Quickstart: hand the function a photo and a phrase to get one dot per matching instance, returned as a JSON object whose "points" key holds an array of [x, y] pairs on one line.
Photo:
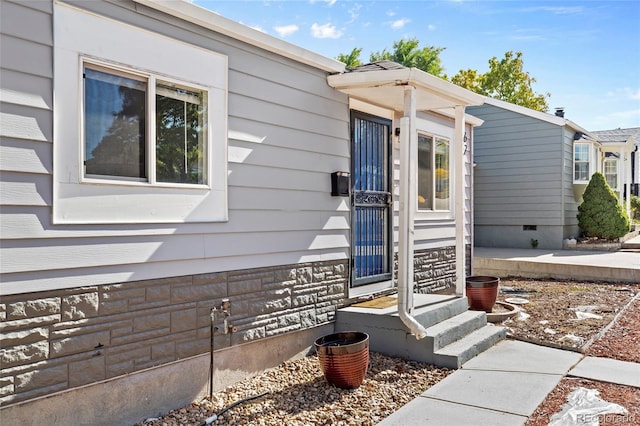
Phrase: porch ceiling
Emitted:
{"points": [[385, 88]]}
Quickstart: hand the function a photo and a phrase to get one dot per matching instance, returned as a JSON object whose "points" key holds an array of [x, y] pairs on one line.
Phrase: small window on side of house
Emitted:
{"points": [[434, 167], [581, 163], [611, 172]]}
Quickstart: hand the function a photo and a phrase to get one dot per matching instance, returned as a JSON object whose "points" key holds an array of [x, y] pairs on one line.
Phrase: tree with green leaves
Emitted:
{"points": [[505, 80], [408, 53], [405, 52], [601, 215], [351, 59]]}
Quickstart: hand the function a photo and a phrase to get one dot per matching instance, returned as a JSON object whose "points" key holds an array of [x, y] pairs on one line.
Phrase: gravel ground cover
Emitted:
{"points": [[563, 314], [621, 341], [298, 394]]}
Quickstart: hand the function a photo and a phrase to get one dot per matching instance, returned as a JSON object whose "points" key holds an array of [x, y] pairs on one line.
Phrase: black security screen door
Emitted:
{"points": [[371, 199]]}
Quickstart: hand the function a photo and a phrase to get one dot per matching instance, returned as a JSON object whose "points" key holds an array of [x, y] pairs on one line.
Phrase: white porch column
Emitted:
{"points": [[407, 198], [626, 163], [459, 180]]}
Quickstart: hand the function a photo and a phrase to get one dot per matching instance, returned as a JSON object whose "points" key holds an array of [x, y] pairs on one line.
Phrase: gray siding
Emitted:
{"points": [[520, 179], [287, 132], [519, 169]]}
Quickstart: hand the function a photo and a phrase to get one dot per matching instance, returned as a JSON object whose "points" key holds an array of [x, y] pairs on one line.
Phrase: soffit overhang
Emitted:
{"points": [[386, 88]]}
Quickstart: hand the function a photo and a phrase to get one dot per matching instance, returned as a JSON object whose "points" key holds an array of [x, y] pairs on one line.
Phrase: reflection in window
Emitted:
{"points": [[180, 135], [581, 162], [433, 173], [116, 128], [115, 109]]}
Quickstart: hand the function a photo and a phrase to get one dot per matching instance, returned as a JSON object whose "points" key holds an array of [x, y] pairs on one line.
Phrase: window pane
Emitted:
{"points": [[442, 174], [611, 173], [581, 152], [425, 172], [181, 134], [114, 117], [581, 171]]}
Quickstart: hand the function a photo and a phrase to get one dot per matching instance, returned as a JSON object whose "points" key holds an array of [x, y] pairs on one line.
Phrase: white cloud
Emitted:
{"points": [[391, 13], [556, 10], [400, 23], [328, 2], [286, 30], [325, 31], [626, 92], [431, 27], [354, 12]]}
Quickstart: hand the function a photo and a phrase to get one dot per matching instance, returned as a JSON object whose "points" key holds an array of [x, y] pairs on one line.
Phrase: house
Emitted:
{"points": [[530, 171], [621, 160], [174, 181]]}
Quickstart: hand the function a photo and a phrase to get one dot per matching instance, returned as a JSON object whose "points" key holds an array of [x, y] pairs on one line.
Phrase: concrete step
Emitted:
{"points": [[455, 328], [457, 353]]}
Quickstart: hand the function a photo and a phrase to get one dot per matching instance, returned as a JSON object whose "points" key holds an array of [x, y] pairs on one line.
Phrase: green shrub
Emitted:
{"points": [[601, 214], [635, 206]]}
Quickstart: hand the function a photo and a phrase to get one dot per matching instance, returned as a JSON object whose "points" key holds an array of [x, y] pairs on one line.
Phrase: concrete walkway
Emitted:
{"points": [[614, 266], [505, 384]]}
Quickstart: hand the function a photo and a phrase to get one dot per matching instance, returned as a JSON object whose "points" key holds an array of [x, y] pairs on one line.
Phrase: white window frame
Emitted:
{"points": [[436, 130], [615, 162], [589, 162], [81, 37], [150, 160]]}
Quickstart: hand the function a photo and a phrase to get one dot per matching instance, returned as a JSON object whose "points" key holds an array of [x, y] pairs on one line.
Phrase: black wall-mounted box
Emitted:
{"points": [[340, 184]]}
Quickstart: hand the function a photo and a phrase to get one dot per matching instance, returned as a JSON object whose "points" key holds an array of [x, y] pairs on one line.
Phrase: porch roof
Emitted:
{"points": [[618, 139], [382, 83]]}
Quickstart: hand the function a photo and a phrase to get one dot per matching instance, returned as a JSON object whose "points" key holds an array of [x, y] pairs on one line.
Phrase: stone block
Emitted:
{"points": [[184, 319], [304, 275], [23, 354], [285, 321], [191, 348], [19, 324], [165, 351], [79, 343], [122, 293], [79, 306], [152, 322], [42, 377], [195, 293], [3, 311], [286, 275], [305, 299], [6, 386], [112, 307], [158, 293], [247, 286], [33, 308], [308, 318], [87, 371], [23, 337]]}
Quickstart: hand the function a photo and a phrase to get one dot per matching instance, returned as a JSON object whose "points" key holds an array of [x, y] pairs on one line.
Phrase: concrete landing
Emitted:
{"points": [[618, 266], [454, 334]]}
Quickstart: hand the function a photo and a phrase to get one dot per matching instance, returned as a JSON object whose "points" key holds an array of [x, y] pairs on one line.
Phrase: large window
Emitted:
{"points": [[433, 173], [140, 132], [581, 162], [122, 111]]}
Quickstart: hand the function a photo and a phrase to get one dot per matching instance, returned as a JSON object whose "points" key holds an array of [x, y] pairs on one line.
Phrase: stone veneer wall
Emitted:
{"points": [[435, 269], [57, 340]]}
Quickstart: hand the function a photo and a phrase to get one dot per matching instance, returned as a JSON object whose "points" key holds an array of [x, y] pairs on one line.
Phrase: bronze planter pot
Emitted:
{"points": [[482, 292], [344, 358]]}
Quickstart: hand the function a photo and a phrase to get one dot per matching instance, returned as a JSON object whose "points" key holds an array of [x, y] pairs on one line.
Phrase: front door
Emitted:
{"points": [[371, 200]]}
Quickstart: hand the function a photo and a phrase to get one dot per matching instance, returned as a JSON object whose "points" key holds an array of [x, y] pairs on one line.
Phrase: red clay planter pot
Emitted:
{"points": [[482, 292], [344, 358]]}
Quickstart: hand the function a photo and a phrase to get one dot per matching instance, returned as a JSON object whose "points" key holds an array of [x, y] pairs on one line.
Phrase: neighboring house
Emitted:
{"points": [[621, 161], [163, 166], [530, 171]]}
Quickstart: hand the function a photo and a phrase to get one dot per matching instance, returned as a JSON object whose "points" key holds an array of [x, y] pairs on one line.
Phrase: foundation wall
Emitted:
{"points": [[58, 340]]}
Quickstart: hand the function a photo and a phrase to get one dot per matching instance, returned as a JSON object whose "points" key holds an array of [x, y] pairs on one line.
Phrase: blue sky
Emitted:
{"points": [[585, 53]]}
